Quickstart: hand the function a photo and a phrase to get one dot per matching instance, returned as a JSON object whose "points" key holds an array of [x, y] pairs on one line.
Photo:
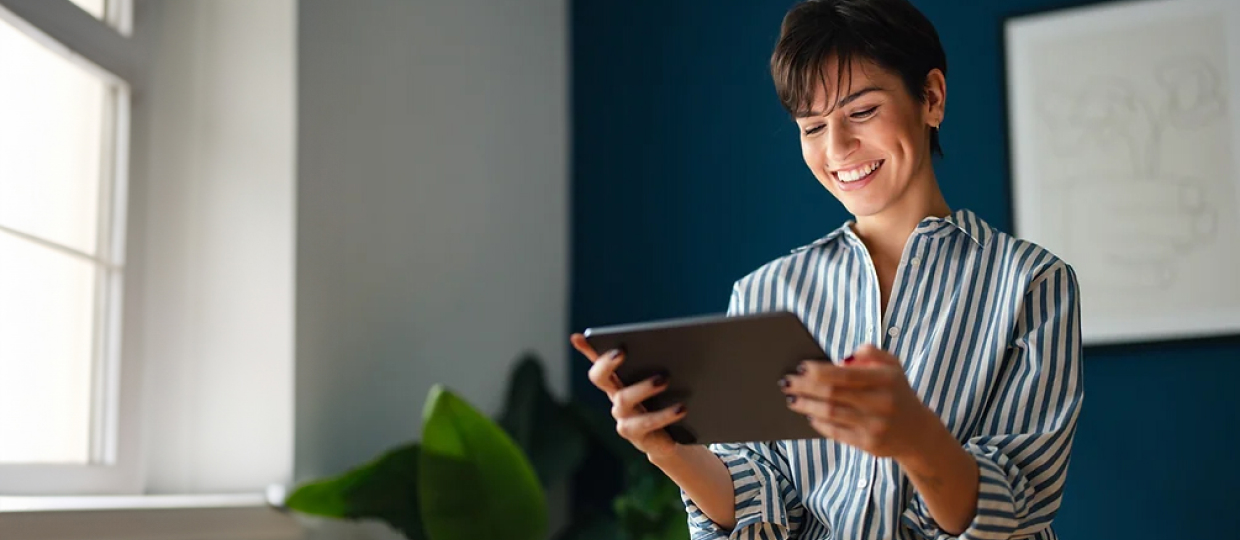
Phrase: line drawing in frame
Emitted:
{"points": [[1109, 110], [1123, 142]]}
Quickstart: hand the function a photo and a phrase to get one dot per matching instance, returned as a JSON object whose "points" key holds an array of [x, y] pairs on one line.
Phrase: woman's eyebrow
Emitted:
{"points": [[848, 99], [853, 96]]}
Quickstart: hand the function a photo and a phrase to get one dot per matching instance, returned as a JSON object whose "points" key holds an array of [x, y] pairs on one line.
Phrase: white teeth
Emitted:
{"points": [[857, 174]]}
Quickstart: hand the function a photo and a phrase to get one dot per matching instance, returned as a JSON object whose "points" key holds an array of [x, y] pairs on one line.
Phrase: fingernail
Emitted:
{"points": [[791, 399], [801, 368], [615, 353], [849, 360], [783, 382], [680, 408], [659, 380]]}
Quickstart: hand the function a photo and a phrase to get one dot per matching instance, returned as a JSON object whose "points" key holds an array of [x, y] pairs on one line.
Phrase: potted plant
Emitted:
{"points": [[470, 477]]}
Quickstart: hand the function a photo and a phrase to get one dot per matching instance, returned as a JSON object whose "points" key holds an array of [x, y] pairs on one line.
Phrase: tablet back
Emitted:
{"points": [[724, 369]]}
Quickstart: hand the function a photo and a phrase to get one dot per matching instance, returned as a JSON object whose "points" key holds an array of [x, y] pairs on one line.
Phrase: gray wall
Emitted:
{"points": [[431, 212]]}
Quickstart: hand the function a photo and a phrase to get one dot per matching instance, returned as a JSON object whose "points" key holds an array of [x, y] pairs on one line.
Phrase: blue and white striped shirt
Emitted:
{"points": [[988, 330]]}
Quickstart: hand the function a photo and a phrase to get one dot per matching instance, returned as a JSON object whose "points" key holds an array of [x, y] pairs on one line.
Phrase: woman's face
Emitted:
{"points": [[875, 143]]}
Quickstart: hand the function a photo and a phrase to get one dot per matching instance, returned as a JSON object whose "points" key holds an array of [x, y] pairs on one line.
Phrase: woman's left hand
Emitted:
{"points": [[867, 403]]}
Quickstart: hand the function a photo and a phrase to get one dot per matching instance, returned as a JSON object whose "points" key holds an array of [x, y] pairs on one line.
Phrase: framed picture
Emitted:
{"points": [[1124, 141]]}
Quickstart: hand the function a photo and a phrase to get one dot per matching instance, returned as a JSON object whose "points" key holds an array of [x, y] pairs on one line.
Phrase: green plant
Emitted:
{"points": [[472, 478]]}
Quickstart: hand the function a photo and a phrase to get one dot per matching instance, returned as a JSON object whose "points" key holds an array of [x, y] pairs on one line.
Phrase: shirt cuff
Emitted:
{"points": [[759, 503], [999, 482]]}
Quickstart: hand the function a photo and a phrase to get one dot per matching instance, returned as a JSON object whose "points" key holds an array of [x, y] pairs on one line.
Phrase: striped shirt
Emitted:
{"points": [[988, 330]]}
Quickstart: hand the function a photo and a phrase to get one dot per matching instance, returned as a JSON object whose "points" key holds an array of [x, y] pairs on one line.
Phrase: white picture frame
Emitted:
{"points": [[1124, 149]]}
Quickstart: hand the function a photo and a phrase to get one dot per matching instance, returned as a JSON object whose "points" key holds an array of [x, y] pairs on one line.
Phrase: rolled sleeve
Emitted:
{"points": [[766, 503], [1022, 467]]}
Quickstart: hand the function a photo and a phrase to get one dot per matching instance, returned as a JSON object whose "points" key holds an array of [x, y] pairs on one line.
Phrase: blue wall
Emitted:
{"points": [[687, 175]]}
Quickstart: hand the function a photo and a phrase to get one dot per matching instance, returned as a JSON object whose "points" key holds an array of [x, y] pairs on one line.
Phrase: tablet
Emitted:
{"points": [[724, 369]]}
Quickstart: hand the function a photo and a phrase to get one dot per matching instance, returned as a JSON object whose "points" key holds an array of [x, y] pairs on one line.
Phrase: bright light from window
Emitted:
{"points": [[52, 144], [98, 8], [46, 333], [51, 141]]}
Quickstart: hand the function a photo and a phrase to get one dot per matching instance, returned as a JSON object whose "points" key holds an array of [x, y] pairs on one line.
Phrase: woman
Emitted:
{"points": [[953, 410]]}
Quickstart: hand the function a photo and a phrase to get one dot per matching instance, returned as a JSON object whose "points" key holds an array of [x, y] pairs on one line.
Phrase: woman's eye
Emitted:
{"points": [[813, 129], [859, 115]]}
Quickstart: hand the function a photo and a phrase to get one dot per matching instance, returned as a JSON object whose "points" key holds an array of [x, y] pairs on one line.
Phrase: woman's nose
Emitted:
{"points": [[841, 142]]}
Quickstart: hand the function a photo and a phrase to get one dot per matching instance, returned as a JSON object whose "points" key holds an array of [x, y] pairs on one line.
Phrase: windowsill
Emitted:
{"points": [[147, 517], [129, 502]]}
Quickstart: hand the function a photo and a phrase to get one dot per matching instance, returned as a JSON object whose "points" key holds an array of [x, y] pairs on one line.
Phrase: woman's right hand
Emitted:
{"points": [[641, 428], [697, 470]]}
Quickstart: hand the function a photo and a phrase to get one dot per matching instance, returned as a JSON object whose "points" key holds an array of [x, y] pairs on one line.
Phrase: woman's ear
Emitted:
{"points": [[936, 97]]}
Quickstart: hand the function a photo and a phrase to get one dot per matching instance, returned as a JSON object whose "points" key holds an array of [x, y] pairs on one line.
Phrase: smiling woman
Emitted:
{"points": [[879, 129], [879, 115], [950, 399]]}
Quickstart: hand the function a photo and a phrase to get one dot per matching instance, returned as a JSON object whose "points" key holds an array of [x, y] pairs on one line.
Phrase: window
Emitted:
{"points": [[116, 13], [61, 267], [98, 8]]}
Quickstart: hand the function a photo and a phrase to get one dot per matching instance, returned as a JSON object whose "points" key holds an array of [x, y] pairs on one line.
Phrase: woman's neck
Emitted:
{"points": [[886, 232]]}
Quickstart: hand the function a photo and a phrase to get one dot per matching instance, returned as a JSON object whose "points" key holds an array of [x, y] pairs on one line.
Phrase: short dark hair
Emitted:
{"points": [[891, 33]]}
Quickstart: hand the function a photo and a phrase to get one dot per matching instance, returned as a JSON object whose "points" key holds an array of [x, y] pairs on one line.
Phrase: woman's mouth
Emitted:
{"points": [[855, 178]]}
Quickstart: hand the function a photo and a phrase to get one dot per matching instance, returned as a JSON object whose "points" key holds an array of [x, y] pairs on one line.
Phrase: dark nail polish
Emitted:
{"points": [[801, 368], [659, 380], [849, 360], [680, 408], [791, 399], [783, 383]]}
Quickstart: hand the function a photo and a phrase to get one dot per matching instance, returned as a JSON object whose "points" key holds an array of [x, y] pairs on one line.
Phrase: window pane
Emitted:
{"points": [[51, 143], [93, 7], [47, 301]]}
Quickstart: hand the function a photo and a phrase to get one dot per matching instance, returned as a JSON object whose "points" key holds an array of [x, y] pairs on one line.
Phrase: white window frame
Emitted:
{"points": [[114, 466], [110, 500]]}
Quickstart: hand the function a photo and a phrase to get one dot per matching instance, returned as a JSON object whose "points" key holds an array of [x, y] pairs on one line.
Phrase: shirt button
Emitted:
{"points": [[915, 261], [893, 331], [862, 483]]}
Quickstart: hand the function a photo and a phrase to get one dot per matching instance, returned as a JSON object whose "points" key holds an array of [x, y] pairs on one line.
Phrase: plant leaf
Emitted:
{"points": [[323, 497], [475, 482], [591, 525], [385, 488], [521, 405], [391, 493], [650, 508], [552, 438]]}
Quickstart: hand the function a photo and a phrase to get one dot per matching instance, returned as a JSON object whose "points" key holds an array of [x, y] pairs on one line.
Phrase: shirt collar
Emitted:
{"points": [[845, 228], [962, 220]]}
